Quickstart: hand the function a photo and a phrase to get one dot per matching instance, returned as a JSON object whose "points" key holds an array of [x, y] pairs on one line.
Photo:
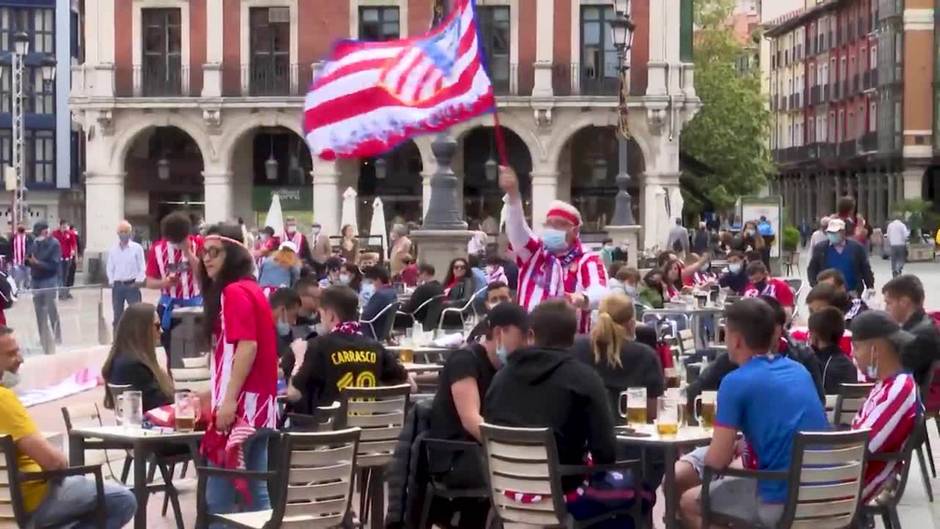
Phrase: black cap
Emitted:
{"points": [[39, 227], [873, 324], [508, 314]]}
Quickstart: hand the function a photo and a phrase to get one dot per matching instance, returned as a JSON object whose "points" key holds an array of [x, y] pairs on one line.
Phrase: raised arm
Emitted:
{"points": [[520, 235]]}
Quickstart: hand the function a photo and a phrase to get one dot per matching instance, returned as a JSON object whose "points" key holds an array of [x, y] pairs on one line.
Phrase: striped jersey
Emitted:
{"points": [[164, 259], [541, 276], [890, 412], [20, 243]]}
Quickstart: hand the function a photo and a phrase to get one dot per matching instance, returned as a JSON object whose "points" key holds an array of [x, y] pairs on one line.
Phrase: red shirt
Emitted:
{"points": [[68, 240], [163, 260], [777, 288], [246, 316]]}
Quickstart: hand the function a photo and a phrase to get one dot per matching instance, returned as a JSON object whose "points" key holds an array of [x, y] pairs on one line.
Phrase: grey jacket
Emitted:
{"points": [[48, 254]]}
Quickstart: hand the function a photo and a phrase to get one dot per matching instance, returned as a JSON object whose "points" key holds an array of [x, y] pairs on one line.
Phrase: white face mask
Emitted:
{"points": [[10, 379], [872, 370]]}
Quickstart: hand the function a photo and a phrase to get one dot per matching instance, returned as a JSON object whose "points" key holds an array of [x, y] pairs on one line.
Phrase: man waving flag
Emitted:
{"points": [[372, 96]]}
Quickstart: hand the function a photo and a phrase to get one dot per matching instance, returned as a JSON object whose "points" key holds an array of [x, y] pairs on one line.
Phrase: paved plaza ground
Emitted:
{"points": [[915, 513]]}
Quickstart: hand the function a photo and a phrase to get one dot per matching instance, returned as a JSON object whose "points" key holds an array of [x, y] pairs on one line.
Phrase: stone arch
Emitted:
{"points": [[482, 197], [238, 128], [508, 121], [563, 134], [128, 135]]}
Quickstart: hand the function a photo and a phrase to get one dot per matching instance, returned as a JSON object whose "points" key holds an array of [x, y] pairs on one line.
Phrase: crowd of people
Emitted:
{"points": [[558, 343]]}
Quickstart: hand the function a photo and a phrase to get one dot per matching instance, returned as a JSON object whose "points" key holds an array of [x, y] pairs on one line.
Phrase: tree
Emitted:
{"points": [[729, 135]]}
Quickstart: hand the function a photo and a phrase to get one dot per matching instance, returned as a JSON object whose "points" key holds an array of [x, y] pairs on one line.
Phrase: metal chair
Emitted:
{"points": [[380, 413], [849, 400], [824, 482], [382, 333], [12, 507], [194, 375], [90, 415], [525, 460], [791, 261], [886, 503], [324, 419], [436, 489], [461, 311], [424, 305], [313, 480]]}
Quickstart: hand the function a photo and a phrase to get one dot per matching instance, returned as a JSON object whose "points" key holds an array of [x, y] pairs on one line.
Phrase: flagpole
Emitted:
{"points": [[500, 139]]}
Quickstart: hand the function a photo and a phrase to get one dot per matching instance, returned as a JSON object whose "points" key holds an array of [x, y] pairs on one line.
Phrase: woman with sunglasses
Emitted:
{"points": [[458, 287], [241, 328], [133, 358]]}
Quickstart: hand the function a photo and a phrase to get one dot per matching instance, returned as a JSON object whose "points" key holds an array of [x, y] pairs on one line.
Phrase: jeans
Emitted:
{"points": [[898, 259], [44, 301], [66, 277], [73, 500], [121, 294], [21, 276], [221, 494]]}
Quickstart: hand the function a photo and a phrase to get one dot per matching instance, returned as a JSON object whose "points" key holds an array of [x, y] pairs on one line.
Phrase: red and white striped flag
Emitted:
{"points": [[372, 96]]}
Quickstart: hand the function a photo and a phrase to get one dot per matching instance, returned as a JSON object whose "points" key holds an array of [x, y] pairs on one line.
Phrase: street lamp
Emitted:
{"points": [[48, 69], [621, 30], [491, 169], [381, 168], [20, 49], [21, 43], [270, 165], [163, 169]]}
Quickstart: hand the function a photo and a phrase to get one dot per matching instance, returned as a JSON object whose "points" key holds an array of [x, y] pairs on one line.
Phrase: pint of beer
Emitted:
{"points": [[633, 405], [185, 411], [667, 415], [708, 403], [672, 377]]}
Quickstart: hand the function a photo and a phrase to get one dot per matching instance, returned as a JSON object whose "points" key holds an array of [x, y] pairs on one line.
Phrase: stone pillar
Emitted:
{"points": [[219, 191], [425, 191], [656, 189], [544, 50], [870, 195], [326, 195], [104, 208], [912, 183], [544, 191], [892, 193], [861, 200], [212, 69], [629, 235], [839, 190], [656, 83]]}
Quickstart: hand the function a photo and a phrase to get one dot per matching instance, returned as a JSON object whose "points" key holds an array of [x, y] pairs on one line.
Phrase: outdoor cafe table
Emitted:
{"points": [[142, 442], [687, 437], [423, 351], [422, 368], [695, 315]]}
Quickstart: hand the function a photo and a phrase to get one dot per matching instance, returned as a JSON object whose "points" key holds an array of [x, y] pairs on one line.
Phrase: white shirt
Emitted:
{"points": [[126, 263], [897, 233]]}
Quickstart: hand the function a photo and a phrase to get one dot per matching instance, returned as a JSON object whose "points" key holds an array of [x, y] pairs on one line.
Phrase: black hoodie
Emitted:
{"points": [[550, 388], [837, 368]]}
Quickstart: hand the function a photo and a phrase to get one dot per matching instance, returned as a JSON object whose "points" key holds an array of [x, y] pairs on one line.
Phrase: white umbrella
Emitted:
{"points": [[378, 224], [348, 215], [275, 218], [503, 212]]}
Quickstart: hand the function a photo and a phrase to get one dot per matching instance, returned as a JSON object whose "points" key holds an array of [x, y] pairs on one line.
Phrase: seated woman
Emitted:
{"points": [[282, 269], [651, 291], [673, 284], [458, 285], [133, 360]]}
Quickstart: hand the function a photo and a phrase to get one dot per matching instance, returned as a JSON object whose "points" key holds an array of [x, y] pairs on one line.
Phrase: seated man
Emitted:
{"points": [[892, 406], [821, 296], [826, 327], [51, 503], [904, 302], [341, 358], [375, 278], [761, 284], [851, 306], [285, 304], [496, 293], [736, 276], [308, 288], [428, 288], [769, 398], [456, 410], [544, 385]]}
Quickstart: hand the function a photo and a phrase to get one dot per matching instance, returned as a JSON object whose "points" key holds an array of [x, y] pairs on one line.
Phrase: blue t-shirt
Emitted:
{"points": [[769, 400], [844, 263]]}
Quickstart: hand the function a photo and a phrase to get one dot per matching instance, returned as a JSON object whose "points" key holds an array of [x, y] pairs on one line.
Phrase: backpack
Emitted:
{"points": [[8, 291], [765, 229]]}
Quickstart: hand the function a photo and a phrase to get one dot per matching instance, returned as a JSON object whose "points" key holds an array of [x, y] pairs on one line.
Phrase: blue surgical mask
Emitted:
{"points": [[367, 290], [10, 379], [554, 240], [734, 268], [872, 370], [344, 279], [124, 237], [502, 353], [283, 328], [834, 238]]}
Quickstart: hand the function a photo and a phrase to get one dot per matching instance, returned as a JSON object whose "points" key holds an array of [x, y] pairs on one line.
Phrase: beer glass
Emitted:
{"points": [[708, 402], [184, 411], [672, 377], [633, 406], [130, 406], [667, 415]]}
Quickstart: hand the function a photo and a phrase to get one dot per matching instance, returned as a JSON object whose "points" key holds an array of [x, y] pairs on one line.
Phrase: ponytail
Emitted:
{"points": [[607, 337]]}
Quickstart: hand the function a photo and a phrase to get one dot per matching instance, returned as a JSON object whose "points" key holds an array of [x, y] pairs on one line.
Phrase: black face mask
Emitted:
{"points": [[21, 230]]}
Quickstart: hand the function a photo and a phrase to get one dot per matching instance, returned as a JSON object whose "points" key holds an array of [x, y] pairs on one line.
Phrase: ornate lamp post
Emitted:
{"points": [[621, 29]]}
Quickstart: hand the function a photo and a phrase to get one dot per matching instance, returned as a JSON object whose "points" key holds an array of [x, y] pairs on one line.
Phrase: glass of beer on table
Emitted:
{"points": [[705, 406], [633, 405], [672, 377], [667, 415], [184, 408]]}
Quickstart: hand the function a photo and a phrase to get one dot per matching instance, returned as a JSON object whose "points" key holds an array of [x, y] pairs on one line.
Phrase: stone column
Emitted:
{"points": [[544, 191], [425, 191], [912, 183], [212, 70], [544, 50], [656, 221], [656, 83], [838, 187], [326, 195], [861, 200], [878, 181], [870, 195], [892, 193], [104, 208], [219, 192], [99, 46]]}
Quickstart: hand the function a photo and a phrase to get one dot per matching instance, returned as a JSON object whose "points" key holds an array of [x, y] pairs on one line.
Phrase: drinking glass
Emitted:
{"points": [[185, 411], [667, 415], [708, 403], [633, 406], [131, 409], [672, 377]]}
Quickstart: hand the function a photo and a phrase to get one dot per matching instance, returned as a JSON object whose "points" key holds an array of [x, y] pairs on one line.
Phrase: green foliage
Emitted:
{"points": [[918, 215], [729, 134], [791, 238]]}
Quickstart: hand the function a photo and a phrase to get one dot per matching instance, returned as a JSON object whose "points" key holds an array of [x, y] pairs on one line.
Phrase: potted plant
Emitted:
{"points": [[915, 212], [791, 239]]}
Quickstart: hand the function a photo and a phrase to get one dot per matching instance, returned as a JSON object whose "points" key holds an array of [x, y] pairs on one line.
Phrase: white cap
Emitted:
{"points": [[289, 245], [835, 225]]}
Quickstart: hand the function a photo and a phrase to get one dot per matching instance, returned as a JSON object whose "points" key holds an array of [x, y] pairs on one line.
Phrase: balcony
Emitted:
{"points": [[504, 79], [570, 80], [146, 81], [263, 79], [814, 95], [868, 142], [825, 93], [847, 149], [784, 103], [866, 80], [874, 78], [856, 85], [836, 91]]}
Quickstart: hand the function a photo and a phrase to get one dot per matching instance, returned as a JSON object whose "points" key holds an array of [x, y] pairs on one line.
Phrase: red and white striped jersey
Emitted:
{"points": [[20, 241], [537, 282], [164, 259], [890, 411]]}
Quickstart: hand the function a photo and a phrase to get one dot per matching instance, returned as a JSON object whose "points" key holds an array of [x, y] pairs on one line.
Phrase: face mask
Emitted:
{"points": [[749, 233], [734, 268], [10, 379], [554, 240], [872, 370], [320, 329], [344, 279], [124, 237], [834, 238], [290, 229], [315, 230], [502, 353], [609, 247], [367, 290], [283, 328], [629, 290], [172, 245], [263, 236], [21, 230]]}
